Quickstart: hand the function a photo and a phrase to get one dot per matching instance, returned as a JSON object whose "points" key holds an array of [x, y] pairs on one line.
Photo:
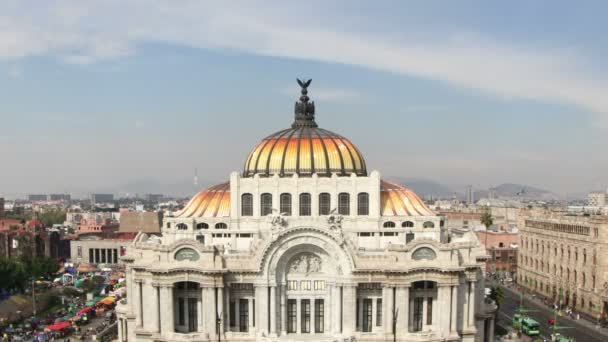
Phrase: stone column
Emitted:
{"points": [[121, 330], [209, 306], [220, 308], [336, 309], [166, 313], [441, 308], [283, 310], [199, 307], [298, 316], [402, 299], [262, 309], [387, 314], [454, 309], [471, 304], [155, 309], [273, 310], [327, 313], [237, 314], [491, 330], [137, 304], [251, 315], [312, 315], [349, 308], [374, 310], [226, 317]]}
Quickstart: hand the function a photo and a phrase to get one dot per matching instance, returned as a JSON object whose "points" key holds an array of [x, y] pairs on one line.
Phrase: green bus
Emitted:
{"points": [[530, 327], [517, 321]]}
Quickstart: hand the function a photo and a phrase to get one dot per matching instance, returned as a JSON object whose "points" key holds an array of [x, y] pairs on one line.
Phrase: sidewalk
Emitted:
{"points": [[583, 321]]}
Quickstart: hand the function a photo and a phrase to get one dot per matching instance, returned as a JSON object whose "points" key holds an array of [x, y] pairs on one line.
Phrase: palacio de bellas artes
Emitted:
{"points": [[305, 244]]}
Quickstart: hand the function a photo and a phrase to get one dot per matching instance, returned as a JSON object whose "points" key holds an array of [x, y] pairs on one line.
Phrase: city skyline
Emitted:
{"points": [[95, 97]]}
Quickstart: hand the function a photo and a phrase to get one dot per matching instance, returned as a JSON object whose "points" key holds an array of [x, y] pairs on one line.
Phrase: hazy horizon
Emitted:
{"points": [[461, 93]]}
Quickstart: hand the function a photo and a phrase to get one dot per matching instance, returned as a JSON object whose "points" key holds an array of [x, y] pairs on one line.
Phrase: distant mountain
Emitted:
{"points": [[519, 190], [425, 188]]}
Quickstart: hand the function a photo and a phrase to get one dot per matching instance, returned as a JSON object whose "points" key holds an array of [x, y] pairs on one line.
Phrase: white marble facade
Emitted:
{"points": [[263, 259]]}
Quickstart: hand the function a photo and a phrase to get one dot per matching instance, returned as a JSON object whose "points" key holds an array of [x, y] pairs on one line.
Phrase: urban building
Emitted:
{"points": [[19, 241], [74, 218], [97, 225], [102, 198], [470, 195], [462, 219], [153, 198], [147, 222], [597, 199], [305, 244], [502, 246], [60, 197], [100, 248], [566, 254], [37, 198]]}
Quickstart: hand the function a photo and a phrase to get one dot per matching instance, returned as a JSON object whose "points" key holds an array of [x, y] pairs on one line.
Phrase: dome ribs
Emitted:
{"points": [[282, 167], [327, 164], [274, 143], [304, 151], [338, 150]]}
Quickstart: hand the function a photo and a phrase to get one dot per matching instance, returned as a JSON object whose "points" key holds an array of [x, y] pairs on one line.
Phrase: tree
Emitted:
{"points": [[486, 219], [497, 295], [51, 217]]}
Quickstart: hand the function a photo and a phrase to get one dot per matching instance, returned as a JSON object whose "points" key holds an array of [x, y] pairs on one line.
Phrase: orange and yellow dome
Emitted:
{"points": [[211, 202], [304, 151], [397, 200]]}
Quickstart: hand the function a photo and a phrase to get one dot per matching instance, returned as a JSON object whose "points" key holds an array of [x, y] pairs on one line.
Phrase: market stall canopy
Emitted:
{"points": [[84, 268], [84, 310], [58, 326], [108, 300]]}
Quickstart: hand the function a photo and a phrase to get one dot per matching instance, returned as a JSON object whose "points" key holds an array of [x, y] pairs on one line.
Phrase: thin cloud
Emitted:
{"points": [[94, 31]]}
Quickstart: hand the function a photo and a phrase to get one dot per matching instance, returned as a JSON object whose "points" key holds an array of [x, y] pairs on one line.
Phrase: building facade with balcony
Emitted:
{"points": [[305, 244], [564, 256]]}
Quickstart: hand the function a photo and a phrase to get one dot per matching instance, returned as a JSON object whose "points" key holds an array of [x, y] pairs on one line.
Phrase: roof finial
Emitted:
{"points": [[304, 110]]}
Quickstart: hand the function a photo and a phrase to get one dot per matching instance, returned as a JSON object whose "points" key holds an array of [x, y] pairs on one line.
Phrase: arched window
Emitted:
{"points": [[285, 204], [324, 203], [363, 203], [182, 226], [202, 226], [247, 205], [265, 204], [428, 224], [501, 245], [221, 225], [343, 203], [407, 224], [389, 224], [305, 204]]}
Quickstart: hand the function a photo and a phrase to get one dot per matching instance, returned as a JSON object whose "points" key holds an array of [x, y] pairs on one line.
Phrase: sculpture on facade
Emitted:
{"points": [[276, 219], [306, 264]]}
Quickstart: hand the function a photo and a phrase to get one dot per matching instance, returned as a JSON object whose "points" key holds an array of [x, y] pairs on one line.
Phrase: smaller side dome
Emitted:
{"points": [[211, 202], [397, 200]]}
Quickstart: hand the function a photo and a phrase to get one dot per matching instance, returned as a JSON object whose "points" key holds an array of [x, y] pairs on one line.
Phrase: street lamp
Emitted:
{"points": [[395, 314], [218, 323]]}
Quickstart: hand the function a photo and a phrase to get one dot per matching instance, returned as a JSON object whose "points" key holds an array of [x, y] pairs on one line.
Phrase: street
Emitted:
{"points": [[581, 331]]}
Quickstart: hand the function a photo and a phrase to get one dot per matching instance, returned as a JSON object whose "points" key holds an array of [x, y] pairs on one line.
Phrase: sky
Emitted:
{"points": [[100, 95]]}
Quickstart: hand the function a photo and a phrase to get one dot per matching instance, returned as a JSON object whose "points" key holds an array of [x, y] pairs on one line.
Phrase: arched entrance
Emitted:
{"points": [[309, 268]]}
